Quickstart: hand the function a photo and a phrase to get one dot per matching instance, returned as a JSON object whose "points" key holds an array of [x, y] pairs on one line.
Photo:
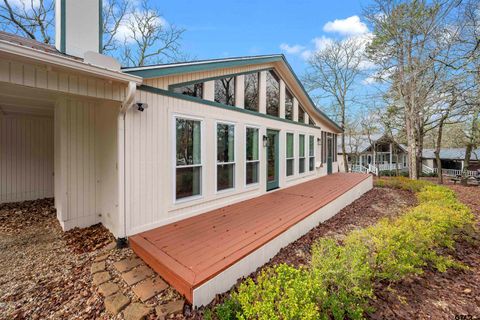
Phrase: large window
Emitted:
{"points": [[251, 91], [251, 156], [311, 153], [290, 156], [288, 105], [310, 121], [273, 94], [188, 166], [301, 153], [301, 114], [193, 90], [225, 91], [225, 156]]}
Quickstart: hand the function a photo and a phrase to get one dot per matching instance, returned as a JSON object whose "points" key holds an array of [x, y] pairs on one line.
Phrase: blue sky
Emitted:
{"points": [[245, 27]]}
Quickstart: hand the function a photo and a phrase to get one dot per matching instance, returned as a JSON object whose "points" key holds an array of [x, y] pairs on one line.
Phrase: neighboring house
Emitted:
{"points": [[373, 153], [452, 159], [158, 146]]}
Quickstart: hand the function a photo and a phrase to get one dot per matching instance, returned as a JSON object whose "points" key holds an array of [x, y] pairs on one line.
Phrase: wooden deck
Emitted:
{"points": [[190, 252]]}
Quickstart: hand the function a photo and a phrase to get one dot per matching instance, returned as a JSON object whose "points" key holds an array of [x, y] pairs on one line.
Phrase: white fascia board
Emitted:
{"points": [[64, 62]]}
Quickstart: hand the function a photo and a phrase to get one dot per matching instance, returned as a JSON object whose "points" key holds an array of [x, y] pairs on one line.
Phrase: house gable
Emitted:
{"points": [[169, 78]]}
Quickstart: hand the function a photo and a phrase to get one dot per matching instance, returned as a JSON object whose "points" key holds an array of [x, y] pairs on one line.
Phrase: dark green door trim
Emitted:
{"points": [[273, 137], [329, 155]]}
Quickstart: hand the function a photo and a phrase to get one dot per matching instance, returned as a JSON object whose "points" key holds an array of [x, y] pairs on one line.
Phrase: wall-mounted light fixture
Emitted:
{"points": [[141, 106], [265, 141], [319, 141]]}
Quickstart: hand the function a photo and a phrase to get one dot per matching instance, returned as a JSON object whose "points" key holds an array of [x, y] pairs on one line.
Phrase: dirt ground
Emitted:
{"points": [[44, 273], [436, 295]]}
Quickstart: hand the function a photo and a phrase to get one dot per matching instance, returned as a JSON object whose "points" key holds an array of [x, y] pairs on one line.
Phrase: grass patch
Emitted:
{"points": [[339, 282]]}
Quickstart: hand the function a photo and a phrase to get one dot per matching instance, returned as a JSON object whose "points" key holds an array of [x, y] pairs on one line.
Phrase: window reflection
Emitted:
{"points": [[225, 91], [273, 94]]}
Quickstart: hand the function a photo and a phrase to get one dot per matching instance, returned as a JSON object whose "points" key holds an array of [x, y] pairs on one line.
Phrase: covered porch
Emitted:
{"points": [[206, 254]]}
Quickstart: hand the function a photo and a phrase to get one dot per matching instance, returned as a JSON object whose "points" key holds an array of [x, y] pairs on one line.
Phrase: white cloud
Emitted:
{"points": [[322, 42], [27, 4], [306, 54], [346, 27], [125, 32], [295, 49]]}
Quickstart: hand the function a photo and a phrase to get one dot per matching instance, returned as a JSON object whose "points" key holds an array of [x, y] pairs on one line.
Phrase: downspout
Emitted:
{"points": [[126, 104]]}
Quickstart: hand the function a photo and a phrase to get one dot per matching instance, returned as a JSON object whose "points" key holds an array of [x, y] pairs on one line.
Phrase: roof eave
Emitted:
{"points": [[65, 62]]}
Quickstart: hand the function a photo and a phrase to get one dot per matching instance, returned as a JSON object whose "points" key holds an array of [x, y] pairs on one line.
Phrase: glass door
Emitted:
{"points": [[329, 155], [272, 159]]}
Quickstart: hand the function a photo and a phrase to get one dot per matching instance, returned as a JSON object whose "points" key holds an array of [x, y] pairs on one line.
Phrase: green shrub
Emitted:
{"points": [[281, 292], [228, 310], [402, 183], [344, 274], [339, 282]]}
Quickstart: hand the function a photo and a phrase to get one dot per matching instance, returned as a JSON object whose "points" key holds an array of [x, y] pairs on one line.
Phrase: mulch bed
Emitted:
{"points": [[41, 277], [88, 239], [436, 295]]}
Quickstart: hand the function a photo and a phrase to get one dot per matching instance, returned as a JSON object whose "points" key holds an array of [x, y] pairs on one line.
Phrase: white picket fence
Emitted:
{"points": [[358, 168], [455, 172]]}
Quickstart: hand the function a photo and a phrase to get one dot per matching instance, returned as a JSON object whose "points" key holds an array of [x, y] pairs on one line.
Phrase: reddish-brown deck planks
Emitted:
{"points": [[189, 252]]}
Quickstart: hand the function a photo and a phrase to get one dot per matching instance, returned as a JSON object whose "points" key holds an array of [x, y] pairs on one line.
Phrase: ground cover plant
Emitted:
{"points": [[340, 279]]}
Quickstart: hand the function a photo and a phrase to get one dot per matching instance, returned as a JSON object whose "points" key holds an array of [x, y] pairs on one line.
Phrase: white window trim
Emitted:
{"points": [[255, 184], [174, 159], [304, 155], [293, 157], [311, 156], [234, 157]]}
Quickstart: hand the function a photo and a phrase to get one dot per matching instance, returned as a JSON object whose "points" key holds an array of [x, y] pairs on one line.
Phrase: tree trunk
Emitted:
{"points": [[470, 146], [344, 154]]}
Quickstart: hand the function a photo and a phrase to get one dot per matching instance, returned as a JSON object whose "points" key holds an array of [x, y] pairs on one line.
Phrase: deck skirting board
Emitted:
{"points": [[222, 282]]}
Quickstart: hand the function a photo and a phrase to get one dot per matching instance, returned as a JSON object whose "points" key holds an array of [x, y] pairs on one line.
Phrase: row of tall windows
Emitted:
{"points": [[224, 93], [189, 163]]}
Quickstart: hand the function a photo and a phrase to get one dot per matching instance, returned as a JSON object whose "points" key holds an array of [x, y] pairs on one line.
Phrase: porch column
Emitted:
{"points": [[295, 109], [282, 99], [240, 91], [262, 92], [391, 155], [209, 90]]}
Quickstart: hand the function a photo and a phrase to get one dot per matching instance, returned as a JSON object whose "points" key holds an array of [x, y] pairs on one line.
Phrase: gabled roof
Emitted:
{"points": [[161, 70], [33, 44], [362, 142], [451, 154]]}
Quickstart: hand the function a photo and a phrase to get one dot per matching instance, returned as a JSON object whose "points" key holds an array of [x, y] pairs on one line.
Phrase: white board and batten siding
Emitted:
{"points": [[85, 164], [38, 76], [150, 152], [26, 157]]}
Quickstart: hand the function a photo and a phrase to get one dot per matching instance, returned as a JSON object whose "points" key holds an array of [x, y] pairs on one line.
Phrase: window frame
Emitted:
{"points": [[275, 76], [289, 92], [223, 163], [254, 184], [174, 158], [293, 156], [234, 79], [311, 152], [257, 73], [300, 157]]}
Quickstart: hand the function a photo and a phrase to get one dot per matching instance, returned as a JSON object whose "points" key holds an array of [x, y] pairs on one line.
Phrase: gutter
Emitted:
{"points": [[121, 138], [65, 62]]}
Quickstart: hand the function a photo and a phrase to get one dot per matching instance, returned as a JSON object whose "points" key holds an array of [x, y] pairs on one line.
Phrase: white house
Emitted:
{"points": [[141, 148]]}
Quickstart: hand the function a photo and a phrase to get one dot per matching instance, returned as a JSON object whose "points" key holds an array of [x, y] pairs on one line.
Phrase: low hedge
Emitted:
{"points": [[339, 281]]}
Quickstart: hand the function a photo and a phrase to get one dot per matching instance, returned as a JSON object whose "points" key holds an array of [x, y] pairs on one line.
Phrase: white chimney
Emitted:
{"points": [[77, 26]]}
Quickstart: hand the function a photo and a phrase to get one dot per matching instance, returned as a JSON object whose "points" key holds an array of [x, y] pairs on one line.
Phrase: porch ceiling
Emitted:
{"points": [[16, 99], [190, 252]]}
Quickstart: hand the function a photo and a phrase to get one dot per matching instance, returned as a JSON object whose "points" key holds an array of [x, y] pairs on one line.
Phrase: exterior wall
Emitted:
{"points": [[37, 76], [26, 157], [150, 160], [85, 163]]}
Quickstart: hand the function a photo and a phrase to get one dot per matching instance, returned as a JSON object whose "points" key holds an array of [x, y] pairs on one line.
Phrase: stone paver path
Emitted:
{"points": [[131, 289]]}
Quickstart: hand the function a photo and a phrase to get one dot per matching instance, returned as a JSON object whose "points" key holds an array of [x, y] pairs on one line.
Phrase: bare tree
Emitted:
{"points": [[133, 32], [405, 34], [154, 40], [33, 19], [333, 72]]}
